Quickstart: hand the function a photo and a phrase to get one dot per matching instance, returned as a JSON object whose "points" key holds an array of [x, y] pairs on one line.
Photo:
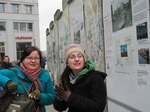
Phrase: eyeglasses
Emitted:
{"points": [[74, 57], [31, 58]]}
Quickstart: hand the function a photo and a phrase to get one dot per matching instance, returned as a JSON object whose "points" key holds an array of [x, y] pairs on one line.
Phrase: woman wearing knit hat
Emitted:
{"points": [[82, 88]]}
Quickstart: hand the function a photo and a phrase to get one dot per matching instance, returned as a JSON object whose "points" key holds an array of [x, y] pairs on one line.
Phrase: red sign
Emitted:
{"points": [[23, 37]]}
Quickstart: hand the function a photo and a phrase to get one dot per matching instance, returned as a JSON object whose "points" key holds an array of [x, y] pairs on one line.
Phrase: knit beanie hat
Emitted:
{"points": [[72, 48]]}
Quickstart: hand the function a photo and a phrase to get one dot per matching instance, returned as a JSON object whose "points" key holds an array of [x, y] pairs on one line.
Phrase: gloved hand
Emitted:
{"points": [[62, 93], [35, 95], [56, 90], [12, 86]]}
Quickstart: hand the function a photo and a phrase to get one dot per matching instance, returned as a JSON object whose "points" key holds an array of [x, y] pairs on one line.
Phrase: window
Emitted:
{"points": [[15, 8], [2, 26], [2, 7], [16, 27], [28, 9], [22, 26], [29, 26], [20, 47]]}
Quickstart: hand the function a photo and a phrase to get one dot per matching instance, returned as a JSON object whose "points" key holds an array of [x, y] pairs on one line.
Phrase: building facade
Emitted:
{"points": [[19, 27]]}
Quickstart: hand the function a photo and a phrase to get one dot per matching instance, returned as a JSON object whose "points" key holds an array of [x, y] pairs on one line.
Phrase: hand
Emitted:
{"points": [[62, 93], [35, 95], [12, 86], [56, 90]]}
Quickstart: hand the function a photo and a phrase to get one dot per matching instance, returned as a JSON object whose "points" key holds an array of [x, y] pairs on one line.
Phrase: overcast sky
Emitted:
{"points": [[47, 9]]}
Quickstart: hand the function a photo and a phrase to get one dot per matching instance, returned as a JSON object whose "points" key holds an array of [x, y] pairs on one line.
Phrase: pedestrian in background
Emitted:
{"points": [[5, 64], [34, 77], [82, 88]]}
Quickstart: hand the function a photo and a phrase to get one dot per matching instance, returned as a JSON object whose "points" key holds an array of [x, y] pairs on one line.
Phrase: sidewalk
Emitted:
{"points": [[50, 108]]}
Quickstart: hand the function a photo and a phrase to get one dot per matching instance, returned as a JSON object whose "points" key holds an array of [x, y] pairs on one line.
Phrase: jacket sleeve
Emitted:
{"points": [[97, 100], [5, 76], [48, 94], [59, 105]]}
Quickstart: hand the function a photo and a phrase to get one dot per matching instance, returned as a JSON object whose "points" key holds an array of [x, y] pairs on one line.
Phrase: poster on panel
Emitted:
{"points": [[127, 44]]}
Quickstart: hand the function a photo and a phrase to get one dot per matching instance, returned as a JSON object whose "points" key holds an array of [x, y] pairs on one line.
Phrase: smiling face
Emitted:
{"points": [[76, 62], [32, 61]]}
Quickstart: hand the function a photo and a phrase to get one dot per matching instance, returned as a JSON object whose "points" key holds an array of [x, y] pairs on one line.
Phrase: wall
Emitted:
{"points": [[122, 28], [80, 22]]}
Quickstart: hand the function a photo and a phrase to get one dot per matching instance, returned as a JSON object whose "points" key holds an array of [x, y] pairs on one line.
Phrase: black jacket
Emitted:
{"points": [[4, 65], [88, 94]]}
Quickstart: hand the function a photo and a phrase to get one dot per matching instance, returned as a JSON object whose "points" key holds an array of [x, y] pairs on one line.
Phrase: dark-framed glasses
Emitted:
{"points": [[32, 58]]}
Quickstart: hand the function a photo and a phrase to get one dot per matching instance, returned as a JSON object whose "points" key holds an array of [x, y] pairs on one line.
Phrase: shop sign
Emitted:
{"points": [[22, 37]]}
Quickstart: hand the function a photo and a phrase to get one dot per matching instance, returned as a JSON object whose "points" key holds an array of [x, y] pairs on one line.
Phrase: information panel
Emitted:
{"points": [[127, 44]]}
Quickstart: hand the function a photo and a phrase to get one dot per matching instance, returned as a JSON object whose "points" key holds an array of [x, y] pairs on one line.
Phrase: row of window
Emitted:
{"points": [[17, 26], [15, 8]]}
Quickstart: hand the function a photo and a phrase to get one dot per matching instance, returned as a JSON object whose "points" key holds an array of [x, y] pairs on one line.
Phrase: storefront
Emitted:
{"points": [[2, 50]]}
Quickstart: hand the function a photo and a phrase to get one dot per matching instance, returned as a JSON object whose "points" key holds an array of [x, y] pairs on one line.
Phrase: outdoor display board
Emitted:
{"points": [[127, 44]]}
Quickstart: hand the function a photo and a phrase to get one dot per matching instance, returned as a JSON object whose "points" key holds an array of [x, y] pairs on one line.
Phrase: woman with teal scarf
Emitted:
{"points": [[82, 88]]}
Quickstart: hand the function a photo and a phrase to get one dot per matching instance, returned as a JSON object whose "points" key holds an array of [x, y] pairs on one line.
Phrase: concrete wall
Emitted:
{"points": [[123, 25], [80, 22]]}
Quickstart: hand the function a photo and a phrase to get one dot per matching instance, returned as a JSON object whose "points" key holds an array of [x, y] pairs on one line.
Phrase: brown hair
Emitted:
{"points": [[65, 75], [5, 57], [27, 52]]}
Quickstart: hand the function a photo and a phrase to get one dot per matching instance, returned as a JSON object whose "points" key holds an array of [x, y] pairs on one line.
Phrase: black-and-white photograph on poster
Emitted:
{"points": [[141, 30], [121, 13]]}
